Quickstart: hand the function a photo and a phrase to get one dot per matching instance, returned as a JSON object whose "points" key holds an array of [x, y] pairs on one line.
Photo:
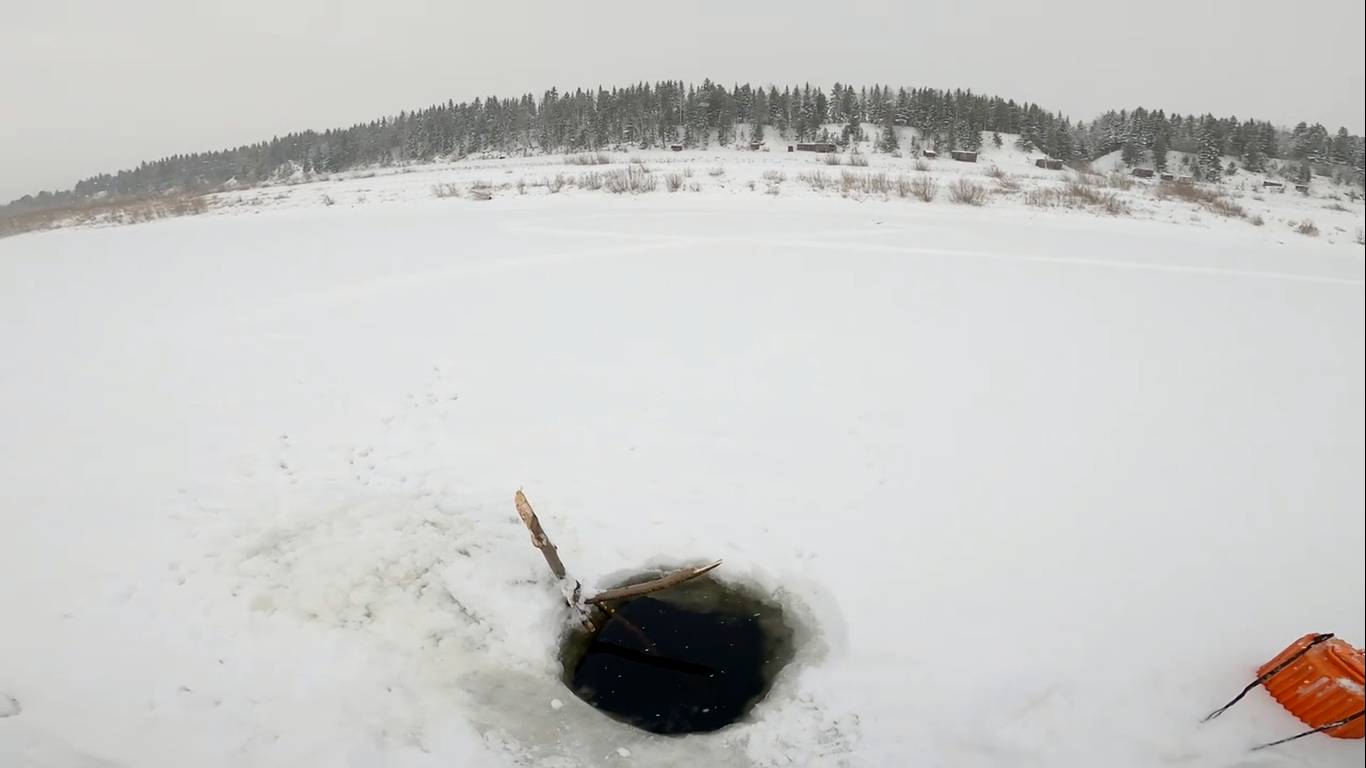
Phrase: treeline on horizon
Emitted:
{"points": [[664, 113]]}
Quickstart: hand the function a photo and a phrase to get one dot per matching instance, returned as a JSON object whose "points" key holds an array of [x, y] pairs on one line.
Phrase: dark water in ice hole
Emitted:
{"points": [[689, 659]]}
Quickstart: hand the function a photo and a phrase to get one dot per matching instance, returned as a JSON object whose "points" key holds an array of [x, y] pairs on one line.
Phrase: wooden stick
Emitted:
{"points": [[625, 623], [541, 541], [654, 585], [538, 538]]}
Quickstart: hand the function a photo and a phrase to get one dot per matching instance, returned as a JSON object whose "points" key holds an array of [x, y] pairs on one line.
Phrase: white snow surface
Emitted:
{"points": [[1036, 488]]}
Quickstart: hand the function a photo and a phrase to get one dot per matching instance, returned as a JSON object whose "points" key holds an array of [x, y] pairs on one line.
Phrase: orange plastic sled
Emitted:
{"points": [[1322, 686]]}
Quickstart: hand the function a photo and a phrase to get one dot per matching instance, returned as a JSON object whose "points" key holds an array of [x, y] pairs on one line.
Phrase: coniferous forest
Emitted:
{"points": [[700, 115]]}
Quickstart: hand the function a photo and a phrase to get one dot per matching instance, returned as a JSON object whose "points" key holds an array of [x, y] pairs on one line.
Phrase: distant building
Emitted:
{"points": [[1166, 176], [929, 154], [964, 156], [1274, 186], [1302, 188], [755, 146], [816, 146], [1143, 173], [1048, 163], [676, 147], [1185, 179]]}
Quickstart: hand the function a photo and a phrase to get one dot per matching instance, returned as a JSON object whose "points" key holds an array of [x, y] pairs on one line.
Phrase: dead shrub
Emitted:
{"points": [[967, 192], [1226, 207], [591, 181], [1181, 190], [1075, 194], [1079, 193], [995, 172], [1120, 181], [445, 189], [1115, 206], [775, 176], [830, 159], [1043, 197], [1257, 220], [1307, 228], [816, 180], [121, 210], [858, 161], [634, 178], [924, 188], [1086, 178], [673, 182], [717, 171], [1208, 199], [587, 158], [865, 183]]}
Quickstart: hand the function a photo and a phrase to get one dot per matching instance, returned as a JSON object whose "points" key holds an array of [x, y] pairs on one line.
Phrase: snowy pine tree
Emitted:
{"points": [[1254, 159], [967, 137], [853, 130], [1131, 153], [1210, 151], [888, 142], [1160, 149]]}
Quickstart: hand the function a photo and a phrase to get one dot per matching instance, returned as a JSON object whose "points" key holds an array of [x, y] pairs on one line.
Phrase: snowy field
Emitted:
{"points": [[1040, 488]]}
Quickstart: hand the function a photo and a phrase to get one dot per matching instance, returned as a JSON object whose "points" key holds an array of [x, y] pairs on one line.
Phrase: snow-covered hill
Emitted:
{"points": [[862, 173], [1006, 176], [1040, 486]]}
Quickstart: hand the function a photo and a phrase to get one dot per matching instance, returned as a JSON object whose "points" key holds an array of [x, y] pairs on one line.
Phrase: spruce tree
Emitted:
{"points": [[1209, 151], [889, 142], [778, 104], [1131, 151], [967, 136], [1160, 149], [725, 117], [853, 130]]}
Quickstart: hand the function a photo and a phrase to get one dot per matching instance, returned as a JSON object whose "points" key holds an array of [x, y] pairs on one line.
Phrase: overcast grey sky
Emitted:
{"points": [[96, 85]]}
